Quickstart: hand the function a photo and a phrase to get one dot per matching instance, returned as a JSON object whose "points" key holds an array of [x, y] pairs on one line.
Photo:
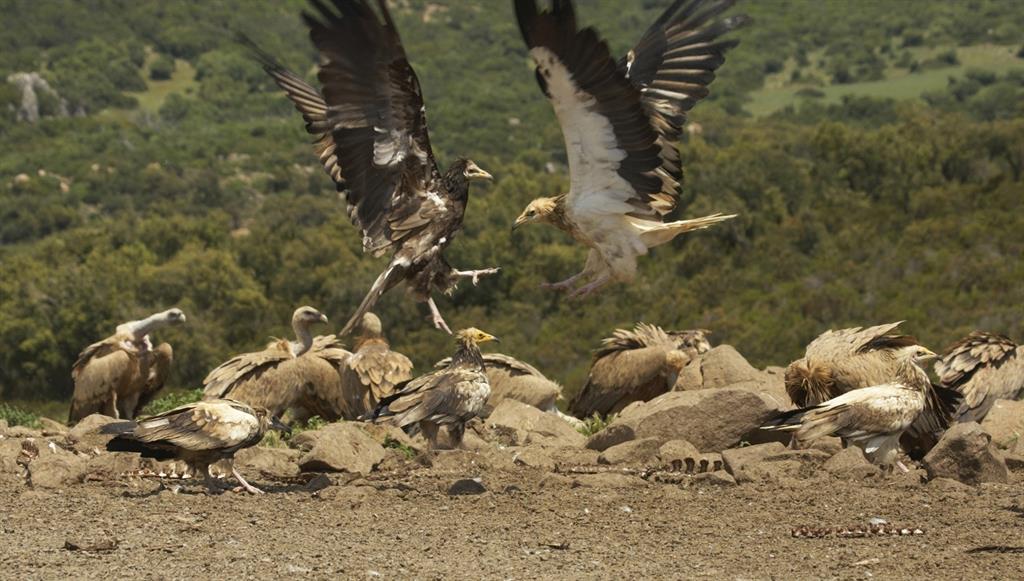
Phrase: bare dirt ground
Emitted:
{"points": [[529, 524]]}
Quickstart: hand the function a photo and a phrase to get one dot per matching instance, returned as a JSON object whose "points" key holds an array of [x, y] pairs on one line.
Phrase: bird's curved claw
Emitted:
{"points": [[475, 275]]}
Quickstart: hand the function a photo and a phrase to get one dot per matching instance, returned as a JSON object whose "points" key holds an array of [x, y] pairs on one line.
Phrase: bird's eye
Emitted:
{"points": [[531, 213]]}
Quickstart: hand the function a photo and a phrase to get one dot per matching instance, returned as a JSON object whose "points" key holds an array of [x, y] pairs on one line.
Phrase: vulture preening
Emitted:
{"points": [[304, 372], [119, 375], [983, 367], [636, 365], [373, 370], [447, 397], [371, 136], [199, 434], [873, 418], [848, 359], [621, 121]]}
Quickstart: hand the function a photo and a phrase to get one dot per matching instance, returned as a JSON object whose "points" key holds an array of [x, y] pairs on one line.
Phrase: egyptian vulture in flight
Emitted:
{"points": [[373, 370], [872, 418], [446, 397], [636, 365], [370, 131], [119, 375], [199, 434], [840, 361], [621, 121], [983, 367], [303, 373]]}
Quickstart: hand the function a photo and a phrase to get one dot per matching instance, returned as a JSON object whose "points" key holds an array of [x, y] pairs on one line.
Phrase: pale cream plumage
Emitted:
{"points": [[984, 368]]}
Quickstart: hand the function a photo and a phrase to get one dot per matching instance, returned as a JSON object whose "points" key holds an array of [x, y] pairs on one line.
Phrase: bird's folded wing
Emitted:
{"points": [[243, 368], [205, 425], [380, 369], [616, 376]]}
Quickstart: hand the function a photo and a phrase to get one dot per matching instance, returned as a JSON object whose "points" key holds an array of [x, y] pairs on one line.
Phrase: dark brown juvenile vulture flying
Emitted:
{"points": [[511, 378], [840, 361], [373, 370], [287, 373], [621, 121], [199, 434], [983, 367], [371, 136], [873, 418], [636, 365], [119, 375], [447, 397]]}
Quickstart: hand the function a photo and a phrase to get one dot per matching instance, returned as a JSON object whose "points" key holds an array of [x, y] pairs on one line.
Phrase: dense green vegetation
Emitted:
{"points": [[184, 179]]}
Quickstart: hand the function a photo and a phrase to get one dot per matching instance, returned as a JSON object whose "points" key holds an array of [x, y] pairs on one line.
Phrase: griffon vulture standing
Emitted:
{"points": [[119, 375], [983, 367], [199, 434], [636, 365], [447, 397], [371, 136], [840, 361], [373, 370], [873, 418], [621, 121], [303, 372]]}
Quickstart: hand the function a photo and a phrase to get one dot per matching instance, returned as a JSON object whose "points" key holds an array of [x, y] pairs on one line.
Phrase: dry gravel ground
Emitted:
{"points": [[530, 524]]}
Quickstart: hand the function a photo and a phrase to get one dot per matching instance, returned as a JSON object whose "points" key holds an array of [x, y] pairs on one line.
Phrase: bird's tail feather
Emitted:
{"points": [[656, 233], [788, 421], [391, 276], [118, 428]]}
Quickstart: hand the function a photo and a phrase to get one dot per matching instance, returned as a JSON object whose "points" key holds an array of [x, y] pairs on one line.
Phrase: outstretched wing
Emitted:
{"points": [[376, 119], [672, 65]]}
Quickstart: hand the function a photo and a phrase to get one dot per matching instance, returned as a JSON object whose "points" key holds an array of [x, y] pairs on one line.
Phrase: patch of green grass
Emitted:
{"points": [[17, 416], [595, 424], [900, 83], [49, 408], [183, 81], [171, 401], [409, 452]]}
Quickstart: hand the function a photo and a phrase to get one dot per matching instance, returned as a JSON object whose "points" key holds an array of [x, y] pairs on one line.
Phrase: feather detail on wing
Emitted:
{"points": [[983, 367], [205, 425]]}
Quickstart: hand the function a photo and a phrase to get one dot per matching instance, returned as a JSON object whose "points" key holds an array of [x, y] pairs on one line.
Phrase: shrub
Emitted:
{"points": [[18, 417], [162, 68]]}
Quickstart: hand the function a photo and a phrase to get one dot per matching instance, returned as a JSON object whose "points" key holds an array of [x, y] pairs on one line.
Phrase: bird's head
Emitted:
{"points": [[473, 336], [472, 172], [370, 326], [920, 354], [174, 316], [306, 316], [696, 339], [539, 210], [269, 421]]}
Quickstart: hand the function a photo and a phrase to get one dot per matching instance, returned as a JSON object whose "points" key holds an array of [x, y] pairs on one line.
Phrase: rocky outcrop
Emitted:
{"points": [[966, 453], [339, 447], [31, 85], [533, 426], [1005, 423]]}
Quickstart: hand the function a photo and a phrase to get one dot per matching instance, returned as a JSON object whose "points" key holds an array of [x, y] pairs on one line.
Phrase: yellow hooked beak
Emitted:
{"points": [[523, 219], [485, 337], [473, 172]]}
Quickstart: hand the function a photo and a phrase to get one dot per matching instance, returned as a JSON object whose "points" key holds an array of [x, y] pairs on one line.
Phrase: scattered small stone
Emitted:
{"points": [[466, 486], [99, 546]]}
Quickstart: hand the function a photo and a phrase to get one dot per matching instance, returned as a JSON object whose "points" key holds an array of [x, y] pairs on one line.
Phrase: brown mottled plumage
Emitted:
{"points": [[119, 375], [447, 397], [840, 361], [373, 370], [983, 367], [636, 365], [302, 373], [513, 379], [872, 417], [198, 433]]}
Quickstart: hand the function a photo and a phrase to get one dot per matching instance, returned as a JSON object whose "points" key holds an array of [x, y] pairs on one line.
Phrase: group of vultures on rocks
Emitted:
{"points": [[621, 119]]}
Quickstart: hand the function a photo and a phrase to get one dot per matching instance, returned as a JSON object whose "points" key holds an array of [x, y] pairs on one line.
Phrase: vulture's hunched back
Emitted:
{"points": [[983, 367]]}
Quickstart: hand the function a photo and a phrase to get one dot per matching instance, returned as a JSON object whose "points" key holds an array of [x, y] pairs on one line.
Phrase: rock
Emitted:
{"points": [[736, 458], [633, 452], [1005, 423], [268, 462], [797, 464], [338, 447], [56, 467], [715, 478], [966, 453], [534, 426], [86, 436], [850, 463], [679, 455], [829, 445], [466, 486], [3, 427], [549, 458], [110, 467], [610, 436], [52, 427], [608, 480], [23, 432], [1015, 462], [948, 485], [389, 436], [723, 366], [710, 419]]}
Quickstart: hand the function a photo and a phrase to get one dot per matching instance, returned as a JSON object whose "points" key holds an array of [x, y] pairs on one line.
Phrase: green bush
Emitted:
{"points": [[162, 68], [171, 401], [18, 417]]}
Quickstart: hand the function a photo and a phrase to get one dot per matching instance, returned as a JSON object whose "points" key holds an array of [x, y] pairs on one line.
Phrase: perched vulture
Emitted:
{"points": [[982, 367], [621, 121], [119, 375], [446, 397], [848, 359], [371, 136], [636, 365], [873, 418], [511, 378], [373, 370], [302, 373], [199, 434]]}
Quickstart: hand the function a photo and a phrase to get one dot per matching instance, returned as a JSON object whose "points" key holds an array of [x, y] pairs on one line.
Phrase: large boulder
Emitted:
{"points": [[723, 367], [52, 427], [710, 419], [86, 436], [268, 462], [533, 426], [1005, 423], [338, 447], [610, 436], [55, 467], [642, 451], [966, 453]]}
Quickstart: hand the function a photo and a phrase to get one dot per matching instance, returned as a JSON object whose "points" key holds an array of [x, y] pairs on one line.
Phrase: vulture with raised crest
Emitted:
{"points": [[636, 365], [373, 371], [839, 361], [447, 397], [119, 375], [983, 367], [874, 417], [621, 121], [370, 131], [199, 434], [304, 372]]}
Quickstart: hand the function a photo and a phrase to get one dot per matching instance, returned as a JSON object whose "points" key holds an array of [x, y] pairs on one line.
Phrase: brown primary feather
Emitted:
{"points": [[983, 367]]}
